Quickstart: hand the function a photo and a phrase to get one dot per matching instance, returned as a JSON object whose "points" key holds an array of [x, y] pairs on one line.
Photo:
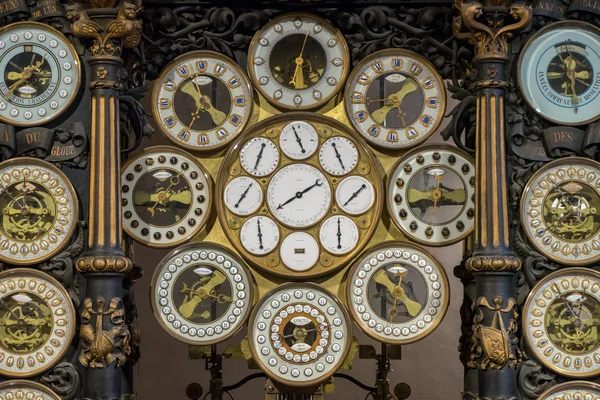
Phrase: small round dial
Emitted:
{"points": [[299, 334], [299, 251], [298, 140], [299, 195], [298, 61], [560, 210], [259, 235], [201, 293], [25, 389], [339, 234], [399, 293], [395, 99], [39, 210], [37, 322], [560, 322], [259, 156], [338, 156], [243, 196], [431, 195], [40, 73], [355, 195], [575, 390], [167, 196]]}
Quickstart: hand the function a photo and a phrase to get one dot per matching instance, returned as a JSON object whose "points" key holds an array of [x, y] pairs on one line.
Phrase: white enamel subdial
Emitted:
{"points": [[355, 195], [298, 61], [259, 235], [299, 251], [338, 234], [243, 195], [338, 156], [259, 156], [299, 334], [299, 195], [298, 140]]}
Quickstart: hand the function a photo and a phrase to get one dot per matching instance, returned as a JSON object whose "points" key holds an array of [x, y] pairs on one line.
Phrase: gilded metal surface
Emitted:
{"points": [[25, 389], [95, 264]]}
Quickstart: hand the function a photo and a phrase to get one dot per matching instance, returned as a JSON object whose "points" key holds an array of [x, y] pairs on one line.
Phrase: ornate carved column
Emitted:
{"points": [[494, 265], [108, 29]]}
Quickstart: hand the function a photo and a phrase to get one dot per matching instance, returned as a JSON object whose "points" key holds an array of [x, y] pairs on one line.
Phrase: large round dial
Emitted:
{"points": [[395, 98], [25, 389], [299, 334], [40, 73], [201, 293], [430, 195], [292, 232], [560, 210], [576, 390], [39, 210], [37, 322], [202, 100], [562, 82], [560, 322], [398, 293], [167, 196], [298, 61]]}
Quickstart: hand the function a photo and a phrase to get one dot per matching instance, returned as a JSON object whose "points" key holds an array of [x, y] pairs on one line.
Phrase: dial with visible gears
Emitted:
{"points": [[40, 71], [202, 100], [560, 322], [167, 196], [430, 195], [299, 334], [395, 99], [398, 292], [298, 61], [563, 83], [576, 390], [292, 231], [37, 322], [202, 293], [560, 210], [24, 389], [39, 210]]}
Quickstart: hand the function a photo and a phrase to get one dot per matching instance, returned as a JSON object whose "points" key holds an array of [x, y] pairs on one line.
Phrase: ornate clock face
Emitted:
{"points": [[299, 334], [298, 61], [37, 322], [167, 196], [202, 100], [395, 99], [292, 231], [576, 390], [399, 292], [40, 73], [39, 210], [563, 83], [560, 210], [560, 322], [430, 195], [24, 389], [201, 293]]}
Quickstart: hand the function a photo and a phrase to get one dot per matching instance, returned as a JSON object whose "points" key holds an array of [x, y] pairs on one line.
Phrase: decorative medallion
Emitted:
{"points": [[167, 196], [430, 195], [202, 100], [201, 293], [299, 334], [24, 389], [574, 390]]}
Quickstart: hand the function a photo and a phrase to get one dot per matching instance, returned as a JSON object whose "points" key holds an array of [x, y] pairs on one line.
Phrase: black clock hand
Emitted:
{"points": [[363, 186], [298, 195], [339, 235], [259, 235], [243, 196], [298, 140], [259, 156], [339, 157]]}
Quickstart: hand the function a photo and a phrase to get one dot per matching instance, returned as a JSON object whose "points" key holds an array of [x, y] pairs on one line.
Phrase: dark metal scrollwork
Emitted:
{"points": [[64, 380], [532, 378]]}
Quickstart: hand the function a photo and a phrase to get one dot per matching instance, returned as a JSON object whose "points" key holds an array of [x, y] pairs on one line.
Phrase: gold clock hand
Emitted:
{"points": [[396, 100], [173, 181], [217, 116], [299, 61], [12, 75]]}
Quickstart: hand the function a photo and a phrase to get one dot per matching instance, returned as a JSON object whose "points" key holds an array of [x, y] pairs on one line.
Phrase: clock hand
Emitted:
{"points": [[243, 196], [436, 193], [362, 187], [299, 195], [217, 116], [339, 157], [339, 234], [298, 140], [259, 156], [172, 181], [260, 235], [299, 61], [396, 99]]}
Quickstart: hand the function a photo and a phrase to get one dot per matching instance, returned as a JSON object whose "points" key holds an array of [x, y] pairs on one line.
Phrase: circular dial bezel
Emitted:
{"points": [[195, 255], [572, 387], [576, 169], [350, 228], [72, 74], [243, 196], [366, 187], [216, 66], [194, 167], [367, 167], [567, 280], [531, 51], [299, 142], [37, 390], [273, 304], [409, 64], [375, 259], [21, 281], [260, 157], [411, 162], [66, 204], [308, 99], [273, 224], [334, 171]]}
